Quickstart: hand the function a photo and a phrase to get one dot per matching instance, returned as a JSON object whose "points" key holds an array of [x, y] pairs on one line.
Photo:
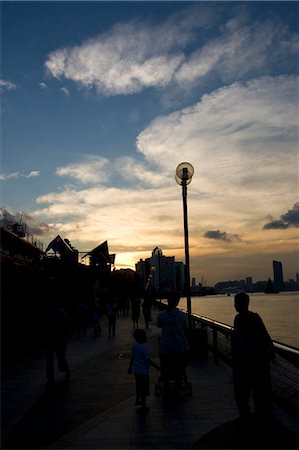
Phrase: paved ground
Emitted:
{"points": [[96, 409]]}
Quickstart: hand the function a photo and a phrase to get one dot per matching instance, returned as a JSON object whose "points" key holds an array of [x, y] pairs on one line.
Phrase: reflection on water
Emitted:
{"points": [[280, 312]]}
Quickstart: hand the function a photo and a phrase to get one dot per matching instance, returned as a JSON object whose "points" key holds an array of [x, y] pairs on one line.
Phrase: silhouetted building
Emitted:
{"points": [[21, 254], [63, 249], [99, 257], [158, 272], [248, 284], [180, 276], [278, 275]]}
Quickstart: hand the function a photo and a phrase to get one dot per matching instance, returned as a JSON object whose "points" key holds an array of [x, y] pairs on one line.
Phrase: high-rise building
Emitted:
{"points": [[180, 276], [159, 272], [249, 284], [278, 275], [193, 283]]}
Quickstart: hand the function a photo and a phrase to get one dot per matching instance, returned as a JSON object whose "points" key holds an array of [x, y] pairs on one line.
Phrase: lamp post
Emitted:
{"points": [[184, 174]]}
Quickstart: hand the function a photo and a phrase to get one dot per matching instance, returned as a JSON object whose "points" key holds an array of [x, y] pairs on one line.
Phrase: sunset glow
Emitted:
{"points": [[95, 123]]}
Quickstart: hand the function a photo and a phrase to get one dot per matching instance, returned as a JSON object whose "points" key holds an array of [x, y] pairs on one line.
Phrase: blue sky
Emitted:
{"points": [[102, 100]]}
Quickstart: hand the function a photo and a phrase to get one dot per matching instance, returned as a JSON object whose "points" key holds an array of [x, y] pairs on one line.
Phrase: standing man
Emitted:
{"points": [[55, 331], [252, 349]]}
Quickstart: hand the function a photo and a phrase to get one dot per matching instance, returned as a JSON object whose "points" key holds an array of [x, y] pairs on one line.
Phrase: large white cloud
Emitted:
{"points": [[90, 171], [242, 49], [242, 141], [137, 55], [243, 134], [124, 60]]}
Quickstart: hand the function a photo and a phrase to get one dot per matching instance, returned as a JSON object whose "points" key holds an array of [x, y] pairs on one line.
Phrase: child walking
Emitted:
{"points": [[139, 365]]}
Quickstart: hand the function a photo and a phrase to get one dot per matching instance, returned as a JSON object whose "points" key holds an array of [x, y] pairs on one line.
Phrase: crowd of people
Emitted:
{"points": [[252, 347]]}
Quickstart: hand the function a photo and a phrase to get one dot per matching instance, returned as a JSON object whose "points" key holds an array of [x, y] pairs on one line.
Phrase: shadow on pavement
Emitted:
{"points": [[67, 405], [43, 422], [231, 436]]}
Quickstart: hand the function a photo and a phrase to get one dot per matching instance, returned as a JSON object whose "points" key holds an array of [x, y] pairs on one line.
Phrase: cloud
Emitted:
{"points": [[43, 85], [221, 235], [91, 171], [9, 176], [32, 227], [5, 177], [241, 50], [33, 173], [240, 140], [288, 220], [39, 229], [8, 85], [126, 59], [134, 172], [96, 212], [243, 126], [65, 91]]}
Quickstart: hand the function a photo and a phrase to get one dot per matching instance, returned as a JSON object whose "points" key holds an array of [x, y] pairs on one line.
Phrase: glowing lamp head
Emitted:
{"points": [[184, 173]]}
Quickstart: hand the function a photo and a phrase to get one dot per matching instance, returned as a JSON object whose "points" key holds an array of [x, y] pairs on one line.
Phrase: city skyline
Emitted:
{"points": [[97, 114], [247, 279]]}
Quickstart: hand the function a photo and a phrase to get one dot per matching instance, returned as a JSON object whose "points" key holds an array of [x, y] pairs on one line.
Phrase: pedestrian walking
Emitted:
{"points": [[135, 310], [55, 329], [139, 366], [146, 310], [111, 316], [96, 324]]}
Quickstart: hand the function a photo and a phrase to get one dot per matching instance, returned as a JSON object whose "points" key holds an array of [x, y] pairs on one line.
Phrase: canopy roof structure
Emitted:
{"points": [[100, 256], [63, 247]]}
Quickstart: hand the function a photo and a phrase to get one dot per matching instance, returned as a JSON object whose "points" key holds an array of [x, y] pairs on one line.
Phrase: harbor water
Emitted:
{"points": [[280, 312]]}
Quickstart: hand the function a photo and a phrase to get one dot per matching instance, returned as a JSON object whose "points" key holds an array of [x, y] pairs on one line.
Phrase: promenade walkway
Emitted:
{"points": [[95, 410]]}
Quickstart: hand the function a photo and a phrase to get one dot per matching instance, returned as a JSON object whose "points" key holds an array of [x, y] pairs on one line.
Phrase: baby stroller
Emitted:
{"points": [[173, 374]]}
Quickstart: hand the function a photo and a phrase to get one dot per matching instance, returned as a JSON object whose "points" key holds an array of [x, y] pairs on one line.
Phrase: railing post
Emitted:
{"points": [[215, 344]]}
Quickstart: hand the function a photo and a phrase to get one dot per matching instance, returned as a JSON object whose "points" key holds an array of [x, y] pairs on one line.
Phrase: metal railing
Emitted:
{"points": [[19, 229], [284, 366]]}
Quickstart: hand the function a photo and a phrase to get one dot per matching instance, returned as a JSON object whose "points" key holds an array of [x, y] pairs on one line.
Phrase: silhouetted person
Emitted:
{"points": [[139, 365], [135, 310], [96, 324], [82, 318], [146, 310], [174, 347], [127, 305], [55, 329], [111, 315], [252, 349]]}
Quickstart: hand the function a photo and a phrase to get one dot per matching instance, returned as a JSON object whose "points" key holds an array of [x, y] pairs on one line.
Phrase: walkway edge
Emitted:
{"points": [[84, 428]]}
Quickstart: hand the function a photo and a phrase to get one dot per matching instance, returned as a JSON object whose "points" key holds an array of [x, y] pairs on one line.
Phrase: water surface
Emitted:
{"points": [[280, 312]]}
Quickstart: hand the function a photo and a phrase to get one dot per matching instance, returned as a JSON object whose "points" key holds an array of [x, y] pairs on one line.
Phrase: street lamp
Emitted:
{"points": [[183, 176]]}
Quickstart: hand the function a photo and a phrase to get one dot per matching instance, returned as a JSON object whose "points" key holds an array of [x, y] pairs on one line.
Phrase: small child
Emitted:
{"points": [[139, 365]]}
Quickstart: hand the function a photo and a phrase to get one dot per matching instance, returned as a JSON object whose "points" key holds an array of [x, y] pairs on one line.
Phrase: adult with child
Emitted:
{"points": [[252, 350], [139, 366], [174, 347]]}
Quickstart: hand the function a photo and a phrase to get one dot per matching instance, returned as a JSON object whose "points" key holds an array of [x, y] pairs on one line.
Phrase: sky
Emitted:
{"points": [[100, 101]]}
